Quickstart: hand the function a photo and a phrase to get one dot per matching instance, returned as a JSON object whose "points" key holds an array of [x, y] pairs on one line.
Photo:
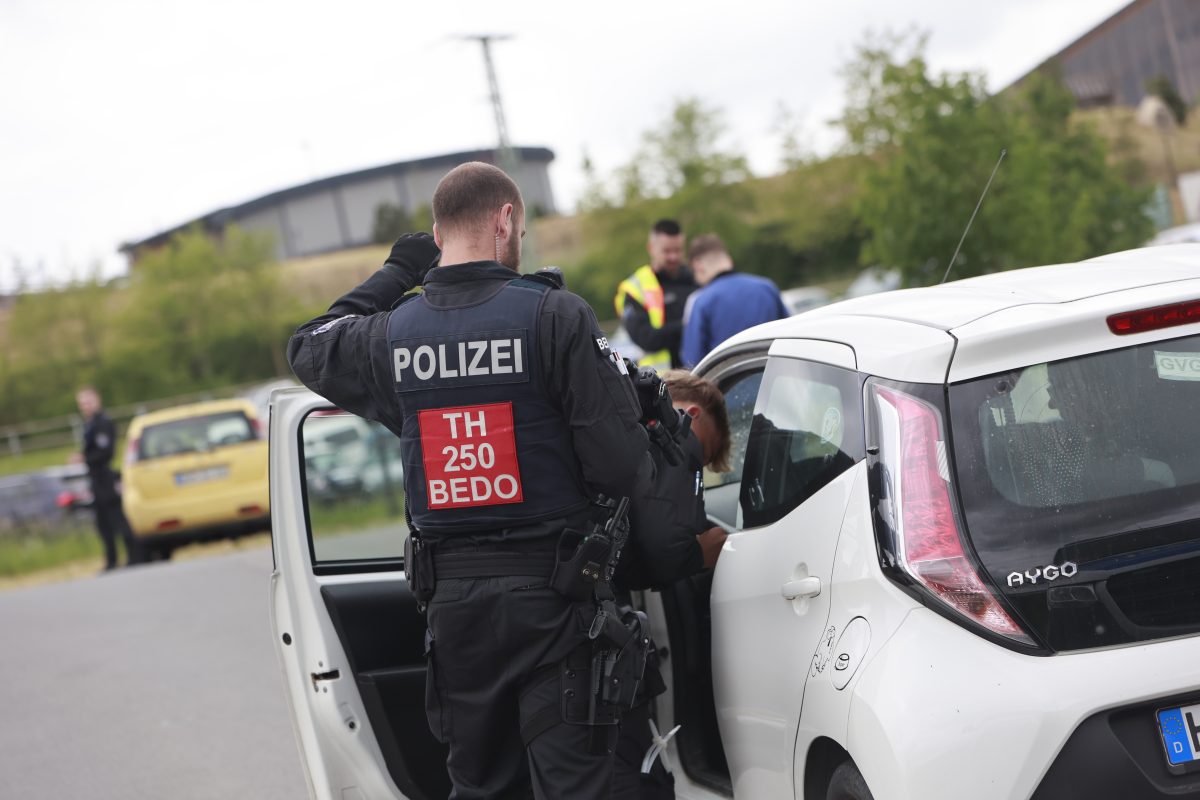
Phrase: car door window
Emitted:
{"points": [[806, 429], [740, 393], [721, 488], [354, 489]]}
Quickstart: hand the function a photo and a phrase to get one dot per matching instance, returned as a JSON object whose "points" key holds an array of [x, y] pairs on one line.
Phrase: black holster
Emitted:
{"points": [[623, 665], [620, 640], [580, 563]]}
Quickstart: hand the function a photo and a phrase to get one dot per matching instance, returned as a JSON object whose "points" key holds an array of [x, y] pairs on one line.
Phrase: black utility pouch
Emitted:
{"points": [[418, 569], [580, 563]]}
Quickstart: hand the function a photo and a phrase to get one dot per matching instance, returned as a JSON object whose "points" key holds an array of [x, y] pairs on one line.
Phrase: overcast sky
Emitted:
{"points": [[124, 117]]}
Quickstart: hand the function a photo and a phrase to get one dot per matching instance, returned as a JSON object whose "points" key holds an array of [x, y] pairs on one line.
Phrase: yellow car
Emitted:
{"points": [[195, 472]]}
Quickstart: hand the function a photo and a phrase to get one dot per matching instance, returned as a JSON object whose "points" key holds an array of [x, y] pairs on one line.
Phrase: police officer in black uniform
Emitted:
{"points": [[513, 416], [99, 441], [671, 537]]}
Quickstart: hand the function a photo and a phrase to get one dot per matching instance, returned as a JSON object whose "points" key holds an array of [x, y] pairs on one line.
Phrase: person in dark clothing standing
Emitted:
{"points": [[650, 302], [99, 441], [728, 301], [513, 415], [671, 539]]}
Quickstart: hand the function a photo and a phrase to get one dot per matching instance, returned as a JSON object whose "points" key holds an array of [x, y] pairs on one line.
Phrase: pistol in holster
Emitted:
{"points": [[620, 637], [623, 664]]}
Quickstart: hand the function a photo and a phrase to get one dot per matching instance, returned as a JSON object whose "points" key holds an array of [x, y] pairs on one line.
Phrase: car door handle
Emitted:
{"points": [[801, 587]]}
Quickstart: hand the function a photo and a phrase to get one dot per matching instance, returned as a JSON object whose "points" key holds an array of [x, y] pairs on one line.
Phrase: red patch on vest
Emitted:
{"points": [[470, 455]]}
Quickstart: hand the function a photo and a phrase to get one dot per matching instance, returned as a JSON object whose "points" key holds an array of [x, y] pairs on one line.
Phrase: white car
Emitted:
{"points": [[964, 560]]}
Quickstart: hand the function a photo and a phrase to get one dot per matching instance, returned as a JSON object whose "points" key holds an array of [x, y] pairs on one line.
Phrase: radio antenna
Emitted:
{"points": [[988, 185]]}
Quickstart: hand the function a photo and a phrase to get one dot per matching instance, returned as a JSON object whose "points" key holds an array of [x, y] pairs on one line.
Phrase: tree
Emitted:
{"points": [[199, 313], [686, 152], [391, 221], [74, 330], [680, 170], [932, 141], [207, 312], [807, 227]]}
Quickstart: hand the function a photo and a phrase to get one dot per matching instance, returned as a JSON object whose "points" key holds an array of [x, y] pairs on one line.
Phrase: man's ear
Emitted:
{"points": [[504, 225], [437, 237], [693, 411]]}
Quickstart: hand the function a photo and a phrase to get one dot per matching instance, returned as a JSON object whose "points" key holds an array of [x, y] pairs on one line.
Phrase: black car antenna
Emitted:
{"points": [[988, 185]]}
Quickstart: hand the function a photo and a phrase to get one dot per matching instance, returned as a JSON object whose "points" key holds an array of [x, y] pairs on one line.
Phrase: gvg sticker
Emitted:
{"points": [[1177, 366], [470, 455]]}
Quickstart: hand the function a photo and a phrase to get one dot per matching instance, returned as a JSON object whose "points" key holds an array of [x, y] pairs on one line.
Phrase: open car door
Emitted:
{"points": [[346, 627]]}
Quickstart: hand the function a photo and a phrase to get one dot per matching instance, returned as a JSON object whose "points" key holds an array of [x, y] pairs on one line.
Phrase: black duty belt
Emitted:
{"points": [[482, 564]]}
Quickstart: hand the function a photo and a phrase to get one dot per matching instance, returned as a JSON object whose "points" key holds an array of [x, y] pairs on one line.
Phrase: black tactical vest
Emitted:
{"points": [[483, 445]]}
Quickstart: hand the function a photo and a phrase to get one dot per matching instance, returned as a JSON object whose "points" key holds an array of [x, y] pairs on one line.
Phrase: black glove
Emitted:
{"points": [[666, 426], [411, 258]]}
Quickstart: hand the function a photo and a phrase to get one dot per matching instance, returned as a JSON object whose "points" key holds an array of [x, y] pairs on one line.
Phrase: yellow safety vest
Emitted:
{"points": [[643, 288]]}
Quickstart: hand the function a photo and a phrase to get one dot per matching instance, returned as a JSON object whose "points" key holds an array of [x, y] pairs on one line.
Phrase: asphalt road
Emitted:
{"points": [[153, 682]]}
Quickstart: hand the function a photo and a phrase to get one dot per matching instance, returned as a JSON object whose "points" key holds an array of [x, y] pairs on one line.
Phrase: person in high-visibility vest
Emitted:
{"points": [[650, 302]]}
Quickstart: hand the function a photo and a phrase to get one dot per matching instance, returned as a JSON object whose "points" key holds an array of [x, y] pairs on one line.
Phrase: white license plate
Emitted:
{"points": [[201, 475], [1180, 728]]}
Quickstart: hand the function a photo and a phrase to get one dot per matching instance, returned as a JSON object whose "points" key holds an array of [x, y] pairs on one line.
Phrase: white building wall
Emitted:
{"points": [[342, 214], [267, 220], [420, 183], [360, 201], [313, 225]]}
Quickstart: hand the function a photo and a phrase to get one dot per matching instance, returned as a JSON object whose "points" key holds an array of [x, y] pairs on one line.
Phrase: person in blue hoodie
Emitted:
{"points": [[728, 301]]}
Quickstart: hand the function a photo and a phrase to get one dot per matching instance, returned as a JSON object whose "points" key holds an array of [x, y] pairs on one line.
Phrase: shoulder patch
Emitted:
{"points": [[328, 326], [607, 352]]}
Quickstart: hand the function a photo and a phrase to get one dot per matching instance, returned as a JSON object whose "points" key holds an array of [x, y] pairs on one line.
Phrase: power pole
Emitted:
{"points": [[510, 162]]}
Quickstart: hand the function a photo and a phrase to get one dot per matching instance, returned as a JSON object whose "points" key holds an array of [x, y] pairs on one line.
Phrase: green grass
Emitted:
{"points": [[31, 551], [36, 459], [353, 514]]}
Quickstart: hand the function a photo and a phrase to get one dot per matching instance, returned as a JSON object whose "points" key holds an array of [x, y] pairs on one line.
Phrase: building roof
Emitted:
{"points": [[223, 216], [1113, 19]]}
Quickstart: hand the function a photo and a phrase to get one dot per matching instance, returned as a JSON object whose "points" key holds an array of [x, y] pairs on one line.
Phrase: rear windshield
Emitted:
{"points": [[194, 434], [1093, 462]]}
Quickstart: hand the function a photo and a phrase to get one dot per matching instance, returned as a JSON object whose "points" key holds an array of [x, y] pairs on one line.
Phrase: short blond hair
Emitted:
{"points": [[706, 245]]}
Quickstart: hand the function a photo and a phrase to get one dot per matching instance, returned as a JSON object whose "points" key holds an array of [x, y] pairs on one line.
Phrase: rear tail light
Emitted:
{"points": [[256, 426], [928, 542], [131, 451], [1150, 319], [169, 524]]}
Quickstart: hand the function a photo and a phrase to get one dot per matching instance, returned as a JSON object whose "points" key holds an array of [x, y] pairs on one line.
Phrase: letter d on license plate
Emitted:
{"points": [[1180, 728]]}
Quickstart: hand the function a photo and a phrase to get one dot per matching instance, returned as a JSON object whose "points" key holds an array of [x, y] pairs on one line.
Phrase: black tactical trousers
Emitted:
{"points": [[629, 783], [497, 644], [111, 523]]}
